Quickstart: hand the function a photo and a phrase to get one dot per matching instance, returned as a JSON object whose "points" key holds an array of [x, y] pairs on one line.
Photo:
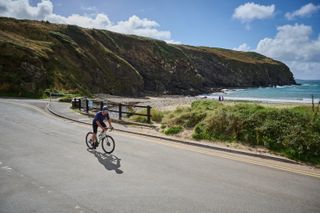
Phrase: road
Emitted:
{"points": [[46, 167]]}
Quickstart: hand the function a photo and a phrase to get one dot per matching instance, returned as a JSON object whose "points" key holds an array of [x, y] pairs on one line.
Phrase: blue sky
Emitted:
{"points": [[201, 22], [287, 30]]}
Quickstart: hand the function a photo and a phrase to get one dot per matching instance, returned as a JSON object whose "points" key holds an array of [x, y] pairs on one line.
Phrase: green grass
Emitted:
{"points": [[293, 132], [173, 130], [156, 116], [68, 98]]}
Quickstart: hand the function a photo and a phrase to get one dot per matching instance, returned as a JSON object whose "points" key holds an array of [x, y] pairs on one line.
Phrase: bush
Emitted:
{"points": [[156, 116], [204, 105], [200, 132], [173, 130], [65, 99], [303, 144], [68, 98], [295, 132], [139, 118]]}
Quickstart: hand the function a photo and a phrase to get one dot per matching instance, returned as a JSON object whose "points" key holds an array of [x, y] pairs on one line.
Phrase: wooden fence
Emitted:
{"points": [[118, 108]]}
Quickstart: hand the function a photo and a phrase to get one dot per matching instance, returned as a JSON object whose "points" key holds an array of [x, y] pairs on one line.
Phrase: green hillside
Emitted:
{"points": [[36, 56]]}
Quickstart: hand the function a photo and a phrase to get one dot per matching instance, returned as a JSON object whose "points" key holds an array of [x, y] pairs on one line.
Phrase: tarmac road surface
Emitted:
{"points": [[45, 166]]}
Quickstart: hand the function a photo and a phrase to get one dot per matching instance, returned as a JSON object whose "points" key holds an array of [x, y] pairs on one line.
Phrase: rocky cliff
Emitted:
{"points": [[36, 56]]}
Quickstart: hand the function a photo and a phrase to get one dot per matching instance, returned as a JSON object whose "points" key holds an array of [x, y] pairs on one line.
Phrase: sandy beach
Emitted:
{"points": [[171, 102], [163, 103]]}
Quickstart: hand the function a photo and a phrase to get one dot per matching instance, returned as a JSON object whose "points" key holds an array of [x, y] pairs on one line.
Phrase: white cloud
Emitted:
{"points": [[251, 11], [22, 9], [172, 42], [305, 70], [138, 26], [101, 21], [294, 46], [243, 47], [305, 11]]}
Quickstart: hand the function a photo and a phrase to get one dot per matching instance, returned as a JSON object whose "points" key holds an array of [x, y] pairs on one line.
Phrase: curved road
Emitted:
{"points": [[45, 167]]}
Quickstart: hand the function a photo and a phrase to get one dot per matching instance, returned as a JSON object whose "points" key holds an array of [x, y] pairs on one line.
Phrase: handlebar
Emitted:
{"points": [[103, 133], [107, 128]]}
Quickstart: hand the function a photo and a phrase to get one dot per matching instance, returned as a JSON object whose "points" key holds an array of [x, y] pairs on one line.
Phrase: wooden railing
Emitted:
{"points": [[119, 108]]}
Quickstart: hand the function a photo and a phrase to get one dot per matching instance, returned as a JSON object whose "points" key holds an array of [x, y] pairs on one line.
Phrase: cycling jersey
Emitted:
{"points": [[100, 117]]}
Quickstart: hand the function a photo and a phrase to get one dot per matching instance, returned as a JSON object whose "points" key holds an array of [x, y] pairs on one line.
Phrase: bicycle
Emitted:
{"points": [[107, 142]]}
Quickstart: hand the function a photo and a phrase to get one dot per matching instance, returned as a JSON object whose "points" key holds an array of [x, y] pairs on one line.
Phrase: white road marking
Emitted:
{"points": [[6, 167]]}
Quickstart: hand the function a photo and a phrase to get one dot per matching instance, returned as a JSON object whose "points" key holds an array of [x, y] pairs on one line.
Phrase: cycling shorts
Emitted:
{"points": [[95, 126]]}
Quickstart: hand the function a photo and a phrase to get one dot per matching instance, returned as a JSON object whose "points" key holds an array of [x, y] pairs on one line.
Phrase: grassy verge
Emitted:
{"points": [[68, 97], [156, 116], [63, 95], [293, 132]]}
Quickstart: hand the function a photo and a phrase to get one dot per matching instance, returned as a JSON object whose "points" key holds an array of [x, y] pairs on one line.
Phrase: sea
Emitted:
{"points": [[301, 93]]}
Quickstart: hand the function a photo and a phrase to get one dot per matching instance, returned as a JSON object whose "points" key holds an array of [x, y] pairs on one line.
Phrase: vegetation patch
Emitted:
{"points": [[293, 132], [156, 115], [173, 130]]}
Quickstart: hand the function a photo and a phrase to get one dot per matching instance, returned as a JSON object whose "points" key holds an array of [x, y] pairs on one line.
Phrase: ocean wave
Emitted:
{"points": [[266, 100], [285, 86], [229, 91], [310, 85]]}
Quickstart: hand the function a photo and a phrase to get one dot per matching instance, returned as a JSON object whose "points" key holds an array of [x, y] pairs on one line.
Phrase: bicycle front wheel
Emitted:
{"points": [[89, 140], [108, 144]]}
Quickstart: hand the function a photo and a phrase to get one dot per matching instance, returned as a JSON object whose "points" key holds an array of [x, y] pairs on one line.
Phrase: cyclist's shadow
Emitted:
{"points": [[109, 161]]}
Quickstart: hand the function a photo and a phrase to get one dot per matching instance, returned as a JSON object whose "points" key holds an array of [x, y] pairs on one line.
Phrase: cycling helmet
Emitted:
{"points": [[105, 109]]}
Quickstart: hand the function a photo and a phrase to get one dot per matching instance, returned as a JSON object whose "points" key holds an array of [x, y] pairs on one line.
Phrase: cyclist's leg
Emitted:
{"points": [[103, 124], [95, 130]]}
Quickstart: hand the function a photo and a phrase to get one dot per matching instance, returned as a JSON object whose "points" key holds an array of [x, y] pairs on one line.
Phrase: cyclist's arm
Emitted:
{"points": [[109, 121], [110, 125]]}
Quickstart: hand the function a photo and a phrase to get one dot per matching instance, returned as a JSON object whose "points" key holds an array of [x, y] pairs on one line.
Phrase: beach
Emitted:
{"points": [[163, 103], [171, 102], [279, 96]]}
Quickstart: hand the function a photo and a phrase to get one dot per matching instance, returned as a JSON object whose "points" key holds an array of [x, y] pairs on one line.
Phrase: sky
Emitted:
{"points": [[286, 30]]}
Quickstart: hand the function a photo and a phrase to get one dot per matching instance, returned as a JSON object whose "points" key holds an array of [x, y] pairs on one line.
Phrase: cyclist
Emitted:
{"points": [[98, 122]]}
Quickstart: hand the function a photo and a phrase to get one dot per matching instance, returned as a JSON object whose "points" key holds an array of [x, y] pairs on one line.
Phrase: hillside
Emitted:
{"points": [[37, 55]]}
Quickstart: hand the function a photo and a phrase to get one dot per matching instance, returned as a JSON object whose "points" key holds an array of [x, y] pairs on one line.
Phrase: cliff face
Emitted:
{"points": [[35, 56]]}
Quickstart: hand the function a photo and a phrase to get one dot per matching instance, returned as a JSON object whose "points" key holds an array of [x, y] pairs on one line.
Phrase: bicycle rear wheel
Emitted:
{"points": [[108, 144], [89, 140]]}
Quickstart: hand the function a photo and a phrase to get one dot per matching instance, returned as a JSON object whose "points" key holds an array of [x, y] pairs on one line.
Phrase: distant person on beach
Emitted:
{"points": [[98, 122]]}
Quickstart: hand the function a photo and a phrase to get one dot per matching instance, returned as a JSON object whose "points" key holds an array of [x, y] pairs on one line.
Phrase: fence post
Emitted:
{"points": [[101, 105], [79, 101], [149, 113], [120, 111], [87, 105]]}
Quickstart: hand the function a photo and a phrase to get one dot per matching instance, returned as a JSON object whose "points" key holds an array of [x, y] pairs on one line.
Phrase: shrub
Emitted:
{"points": [[139, 118], [173, 130], [156, 115], [65, 99], [205, 105], [68, 98], [200, 132], [294, 132]]}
